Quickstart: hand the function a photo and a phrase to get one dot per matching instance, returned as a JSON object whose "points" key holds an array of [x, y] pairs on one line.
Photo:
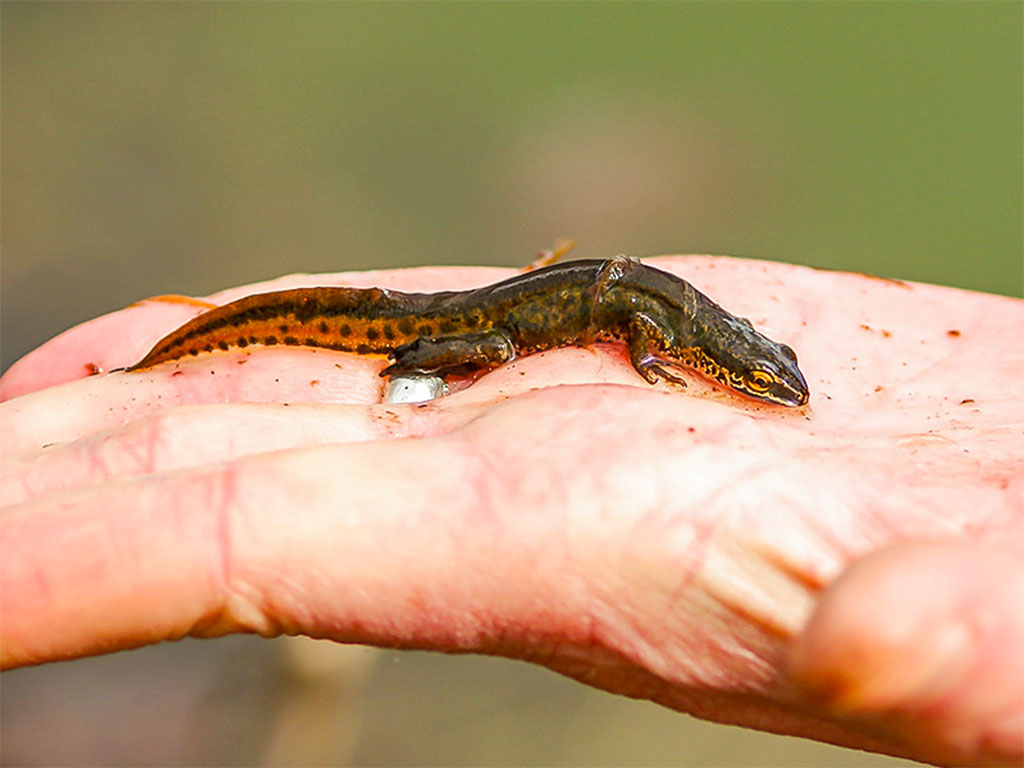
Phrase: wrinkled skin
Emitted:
{"points": [[850, 571]]}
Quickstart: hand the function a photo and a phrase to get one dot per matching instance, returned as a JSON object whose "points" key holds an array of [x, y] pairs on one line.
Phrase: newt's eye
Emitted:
{"points": [[760, 381]]}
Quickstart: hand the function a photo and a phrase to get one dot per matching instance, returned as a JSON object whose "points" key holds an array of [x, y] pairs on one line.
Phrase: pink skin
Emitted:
{"points": [[849, 572]]}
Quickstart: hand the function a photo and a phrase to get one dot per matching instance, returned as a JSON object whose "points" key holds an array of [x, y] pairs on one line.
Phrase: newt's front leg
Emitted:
{"points": [[644, 341], [452, 354]]}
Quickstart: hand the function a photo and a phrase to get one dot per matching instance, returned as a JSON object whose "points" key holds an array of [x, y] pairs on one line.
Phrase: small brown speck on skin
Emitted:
{"points": [[91, 369], [967, 400], [314, 383], [879, 388], [865, 327], [886, 333], [178, 373], [953, 332]]}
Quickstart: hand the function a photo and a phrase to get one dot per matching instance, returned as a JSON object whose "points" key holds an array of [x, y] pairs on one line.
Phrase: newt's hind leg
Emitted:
{"points": [[547, 258], [452, 354]]}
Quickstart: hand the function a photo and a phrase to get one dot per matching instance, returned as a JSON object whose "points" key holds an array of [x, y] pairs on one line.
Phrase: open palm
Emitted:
{"points": [[850, 571]]}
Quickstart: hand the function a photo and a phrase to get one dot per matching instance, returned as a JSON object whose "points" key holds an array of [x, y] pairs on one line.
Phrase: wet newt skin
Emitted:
{"points": [[667, 324]]}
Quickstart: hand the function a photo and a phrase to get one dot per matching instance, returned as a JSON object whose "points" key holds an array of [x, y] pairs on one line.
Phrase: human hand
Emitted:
{"points": [[848, 572]]}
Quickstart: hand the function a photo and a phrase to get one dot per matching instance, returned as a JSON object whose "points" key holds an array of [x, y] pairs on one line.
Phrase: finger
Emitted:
{"points": [[345, 541], [121, 338], [923, 643], [74, 410], [190, 436]]}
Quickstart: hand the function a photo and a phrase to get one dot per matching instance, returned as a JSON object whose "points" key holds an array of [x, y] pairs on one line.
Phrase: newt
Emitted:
{"points": [[667, 324]]}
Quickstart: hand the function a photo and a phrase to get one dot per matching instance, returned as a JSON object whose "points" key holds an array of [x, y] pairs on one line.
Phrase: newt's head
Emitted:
{"points": [[678, 326], [738, 356]]}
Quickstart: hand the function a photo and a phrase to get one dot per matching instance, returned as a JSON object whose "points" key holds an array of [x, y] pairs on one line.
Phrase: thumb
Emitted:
{"points": [[924, 643]]}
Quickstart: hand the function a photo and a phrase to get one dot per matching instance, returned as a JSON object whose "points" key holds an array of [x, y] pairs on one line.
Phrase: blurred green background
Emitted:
{"points": [[158, 148]]}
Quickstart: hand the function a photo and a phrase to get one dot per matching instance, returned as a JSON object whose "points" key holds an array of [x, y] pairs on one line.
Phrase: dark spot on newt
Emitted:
{"points": [[323, 326], [270, 340], [363, 349], [283, 328], [243, 342], [290, 340], [389, 332], [405, 326], [371, 333], [425, 330], [345, 330], [224, 346]]}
